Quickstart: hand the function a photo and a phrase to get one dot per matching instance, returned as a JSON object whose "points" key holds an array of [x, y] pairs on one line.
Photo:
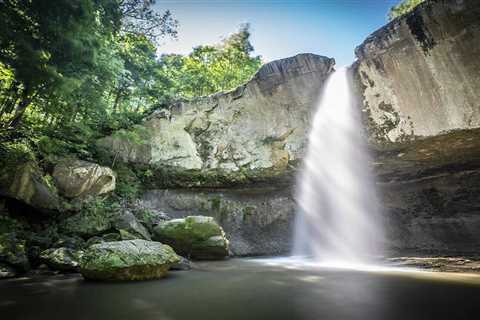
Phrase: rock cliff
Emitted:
{"points": [[418, 81], [249, 134], [419, 75]]}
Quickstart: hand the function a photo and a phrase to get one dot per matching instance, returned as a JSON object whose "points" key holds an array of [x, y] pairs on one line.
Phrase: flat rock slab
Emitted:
{"points": [[443, 264]]}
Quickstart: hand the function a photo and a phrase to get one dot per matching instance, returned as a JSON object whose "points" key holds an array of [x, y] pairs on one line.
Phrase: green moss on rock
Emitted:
{"points": [[197, 237], [127, 260]]}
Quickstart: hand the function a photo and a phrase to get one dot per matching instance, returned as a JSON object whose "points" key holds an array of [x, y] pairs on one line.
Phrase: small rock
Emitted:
{"points": [[64, 259], [6, 271], [111, 237], [128, 224], [182, 265], [127, 260]]}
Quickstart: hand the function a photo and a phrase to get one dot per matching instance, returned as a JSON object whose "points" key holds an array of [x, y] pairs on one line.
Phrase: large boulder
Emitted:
{"points": [[26, 182], [78, 179], [196, 237], [64, 259], [127, 260], [249, 134]]}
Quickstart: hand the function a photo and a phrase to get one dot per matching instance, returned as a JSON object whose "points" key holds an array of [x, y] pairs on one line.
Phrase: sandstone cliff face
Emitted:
{"points": [[418, 80], [250, 133], [420, 74]]}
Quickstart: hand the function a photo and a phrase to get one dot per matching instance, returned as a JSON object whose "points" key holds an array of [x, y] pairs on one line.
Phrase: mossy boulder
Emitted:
{"points": [[127, 260], [27, 183], [64, 259], [128, 226], [196, 237], [79, 179], [13, 251]]}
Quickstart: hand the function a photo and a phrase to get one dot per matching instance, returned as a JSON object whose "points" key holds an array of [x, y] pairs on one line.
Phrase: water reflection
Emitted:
{"points": [[247, 289]]}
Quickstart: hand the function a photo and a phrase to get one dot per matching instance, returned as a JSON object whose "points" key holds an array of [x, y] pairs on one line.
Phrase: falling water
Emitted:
{"points": [[338, 220]]}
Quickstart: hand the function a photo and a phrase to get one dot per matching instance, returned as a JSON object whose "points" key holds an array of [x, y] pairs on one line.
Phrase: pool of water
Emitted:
{"points": [[249, 289]]}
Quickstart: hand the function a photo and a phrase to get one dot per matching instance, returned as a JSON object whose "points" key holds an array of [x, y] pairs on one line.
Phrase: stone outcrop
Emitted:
{"points": [[127, 260], [419, 76], [249, 134], [257, 221], [64, 259], [26, 182], [79, 179], [418, 80], [196, 237]]}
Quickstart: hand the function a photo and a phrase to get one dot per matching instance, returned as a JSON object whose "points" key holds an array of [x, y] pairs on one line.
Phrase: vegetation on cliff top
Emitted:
{"points": [[77, 70], [403, 7]]}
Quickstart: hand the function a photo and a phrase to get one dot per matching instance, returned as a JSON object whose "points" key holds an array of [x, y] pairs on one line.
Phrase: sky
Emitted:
{"points": [[280, 28]]}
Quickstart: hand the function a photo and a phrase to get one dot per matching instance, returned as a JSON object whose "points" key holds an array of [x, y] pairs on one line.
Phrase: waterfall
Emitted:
{"points": [[338, 217]]}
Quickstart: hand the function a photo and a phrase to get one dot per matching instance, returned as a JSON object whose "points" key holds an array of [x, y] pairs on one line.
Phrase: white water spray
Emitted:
{"points": [[338, 220]]}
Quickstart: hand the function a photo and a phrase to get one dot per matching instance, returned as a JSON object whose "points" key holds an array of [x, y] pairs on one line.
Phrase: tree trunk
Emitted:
{"points": [[21, 108]]}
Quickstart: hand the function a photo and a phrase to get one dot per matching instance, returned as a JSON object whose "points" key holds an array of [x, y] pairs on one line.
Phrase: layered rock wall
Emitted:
{"points": [[420, 74], [418, 80], [251, 133]]}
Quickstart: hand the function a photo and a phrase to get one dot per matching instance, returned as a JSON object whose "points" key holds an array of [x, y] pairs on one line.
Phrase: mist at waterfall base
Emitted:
{"points": [[338, 221]]}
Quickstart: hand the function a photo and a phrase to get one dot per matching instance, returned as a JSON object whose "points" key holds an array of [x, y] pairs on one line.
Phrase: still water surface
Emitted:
{"points": [[248, 289]]}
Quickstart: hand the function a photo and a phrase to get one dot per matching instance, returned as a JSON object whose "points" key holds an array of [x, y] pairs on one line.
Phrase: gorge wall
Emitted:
{"points": [[418, 81], [234, 155]]}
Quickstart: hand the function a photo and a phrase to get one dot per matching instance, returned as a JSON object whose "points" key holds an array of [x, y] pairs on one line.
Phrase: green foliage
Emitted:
{"points": [[72, 71], [76, 69], [209, 69], [403, 7], [128, 185]]}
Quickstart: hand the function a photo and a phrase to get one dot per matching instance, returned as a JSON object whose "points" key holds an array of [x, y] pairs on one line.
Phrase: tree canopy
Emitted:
{"points": [[403, 7], [78, 69]]}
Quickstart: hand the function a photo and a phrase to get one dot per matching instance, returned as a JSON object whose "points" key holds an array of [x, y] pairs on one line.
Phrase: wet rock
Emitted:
{"points": [[128, 224], [197, 237], [64, 259], [231, 137], [150, 217], [111, 237], [79, 179], [127, 260], [71, 242], [183, 265], [7, 271]]}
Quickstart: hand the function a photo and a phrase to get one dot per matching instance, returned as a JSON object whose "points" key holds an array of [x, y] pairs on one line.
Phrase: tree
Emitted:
{"points": [[209, 69], [46, 46], [139, 17], [65, 66], [403, 7]]}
